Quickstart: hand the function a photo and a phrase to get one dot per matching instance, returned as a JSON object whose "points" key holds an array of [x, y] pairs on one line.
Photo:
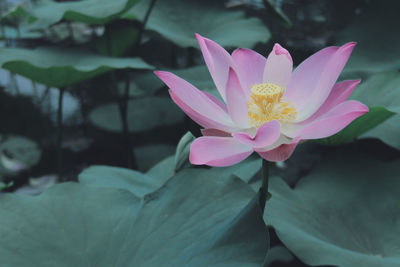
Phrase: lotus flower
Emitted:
{"points": [[266, 108]]}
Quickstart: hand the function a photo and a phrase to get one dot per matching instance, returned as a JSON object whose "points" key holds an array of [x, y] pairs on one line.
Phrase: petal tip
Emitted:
{"points": [[160, 73], [365, 109], [200, 39], [351, 44], [348, 46], [279, 50], [157, 72]]}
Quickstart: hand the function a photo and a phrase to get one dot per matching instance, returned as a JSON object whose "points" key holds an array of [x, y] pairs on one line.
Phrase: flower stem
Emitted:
{"points": [[146, 18], [123, 108], [264, 194], [59, 134]]}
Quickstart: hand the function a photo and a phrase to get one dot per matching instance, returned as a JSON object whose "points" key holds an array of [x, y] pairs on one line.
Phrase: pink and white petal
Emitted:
{"points": [[214, 132], [280, 153], [328, 124], [218, 151], [250, 67], [279, 66], [216, 100], [204, 121], [283, 139], [266, 135], [341, 92], [313, 79], [194, 98], [236, 100], [218, 62]]}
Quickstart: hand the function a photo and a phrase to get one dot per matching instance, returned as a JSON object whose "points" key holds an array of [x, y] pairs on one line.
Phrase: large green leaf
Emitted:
{"points": [[199, 218], [62, 67], [278, 254], [345, 213], [164, 168], [359, 126], [178, 20], [143, 114], [381, 92], [388, 132], [376, 21], [136, 182], [48, 12], [381, 89]]}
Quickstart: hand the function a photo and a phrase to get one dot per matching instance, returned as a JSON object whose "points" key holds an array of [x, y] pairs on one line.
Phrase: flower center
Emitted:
{"points": [[266, 104]]}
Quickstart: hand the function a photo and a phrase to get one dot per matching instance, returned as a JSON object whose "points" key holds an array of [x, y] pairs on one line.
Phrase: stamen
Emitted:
{"points": [[266, 104]]}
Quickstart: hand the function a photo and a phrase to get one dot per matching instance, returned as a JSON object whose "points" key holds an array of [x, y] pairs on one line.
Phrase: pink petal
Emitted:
{"points": [[218, 151], [214, 132], [236, 100], [266, 135], [341, 92], [200, 119], [328, 124], [278, 67], [216, 100], [280, 153], [250, 67], [218, 62], [314, 78], [194, 98]]}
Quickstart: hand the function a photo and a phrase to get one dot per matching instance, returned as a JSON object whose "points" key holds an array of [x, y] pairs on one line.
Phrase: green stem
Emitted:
{"points": [[146, 18], [60, 134], [123, 105], [123, 108], [2, 27], [264, 194]]}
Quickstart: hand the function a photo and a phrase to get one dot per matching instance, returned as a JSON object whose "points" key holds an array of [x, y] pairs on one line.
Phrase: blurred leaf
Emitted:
{"points": [[345, 213], [14, 33], [95, 12], [62, 67], [143, 114], [381, 89], [148, 155], [182, 151], [76, 32], [276, 6], [198, 76], [135, 182], [17, 11], [5, 185], [199, 218], [363, 124], [178, 20], [116, 41], [147, 81], [15, 16], [17, 153], [388, 132], [37, 185], [381, 52]]}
